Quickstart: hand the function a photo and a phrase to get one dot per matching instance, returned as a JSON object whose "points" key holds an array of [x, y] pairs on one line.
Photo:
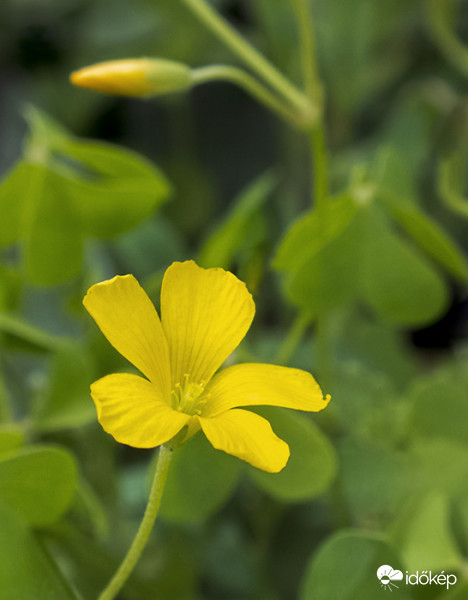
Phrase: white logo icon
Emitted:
{"points": [[387, 575]]}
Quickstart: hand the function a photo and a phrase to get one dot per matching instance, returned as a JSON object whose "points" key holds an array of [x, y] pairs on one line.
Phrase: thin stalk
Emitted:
{"points": [[141, 538], [319, 158], [319, 163], [453, 49], [249, 84], [307, 45], [256, 61], [314, 92], [320, 194]]}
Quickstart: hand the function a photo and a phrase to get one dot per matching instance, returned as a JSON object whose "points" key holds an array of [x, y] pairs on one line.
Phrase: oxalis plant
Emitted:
{"points": [[375, 257], [204, 313]]}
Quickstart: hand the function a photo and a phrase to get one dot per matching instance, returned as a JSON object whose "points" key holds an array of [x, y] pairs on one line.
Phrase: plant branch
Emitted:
{"points": [[307, 45], [256, 61], [250, 85]]}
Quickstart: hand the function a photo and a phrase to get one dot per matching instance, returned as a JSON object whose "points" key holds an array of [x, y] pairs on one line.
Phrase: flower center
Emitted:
{"points": [[189, 397]]}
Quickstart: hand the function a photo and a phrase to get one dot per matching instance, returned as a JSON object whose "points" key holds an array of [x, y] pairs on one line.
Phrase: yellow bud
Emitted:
{"points": [[140, 77]]}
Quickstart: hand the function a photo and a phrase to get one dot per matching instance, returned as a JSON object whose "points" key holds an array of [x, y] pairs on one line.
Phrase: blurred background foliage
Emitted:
{"points": [[94, 186]]}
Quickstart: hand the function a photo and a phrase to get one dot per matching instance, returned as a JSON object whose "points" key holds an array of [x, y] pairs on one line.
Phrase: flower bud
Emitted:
{"points": [[139, 77]]}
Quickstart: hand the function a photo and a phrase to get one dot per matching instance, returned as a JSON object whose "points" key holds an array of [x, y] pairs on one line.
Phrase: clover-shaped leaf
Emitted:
{"points": [[64, 190], [26, 570], [37, 483], [340, 254]]}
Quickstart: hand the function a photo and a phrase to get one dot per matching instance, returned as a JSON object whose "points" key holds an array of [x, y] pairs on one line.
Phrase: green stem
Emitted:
{"points": [[319, 158], [307, 44], [293, 339], [320, 192], [249, 84], [139, 542], [316, 133], [229, 36], [453, 49], [319, 163]]}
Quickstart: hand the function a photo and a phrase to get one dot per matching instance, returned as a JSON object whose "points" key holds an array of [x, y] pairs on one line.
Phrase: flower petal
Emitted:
{"points": [[130, 409], [252, 384], [247, 436], [205, 314], [128, 319]]}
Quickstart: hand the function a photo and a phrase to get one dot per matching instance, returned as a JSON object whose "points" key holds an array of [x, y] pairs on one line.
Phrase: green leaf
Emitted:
{"points": [[345, 568], [377, 346], [457, 592], [53, 242], [10, 288], [111, 189], [67, 402], [37, 212], [330, 276], [312, 465], [11, 438], [399, 284], [168, 571], [240, 225], [426, 539], [38, 483], [374, 480], [65, 189], [394, 172], [44, 131], [451, 180], [439, 464], [431, 238], [200, 480], [14, 190], [26, 571], [313, 231], [440, 409]]}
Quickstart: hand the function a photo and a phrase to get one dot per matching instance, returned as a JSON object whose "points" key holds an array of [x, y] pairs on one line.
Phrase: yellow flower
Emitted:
{"points": [[205, 313], [140, 77]]}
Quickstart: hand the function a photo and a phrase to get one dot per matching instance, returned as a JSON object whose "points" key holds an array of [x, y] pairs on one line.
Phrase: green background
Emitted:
{"points": [[94, 186]]}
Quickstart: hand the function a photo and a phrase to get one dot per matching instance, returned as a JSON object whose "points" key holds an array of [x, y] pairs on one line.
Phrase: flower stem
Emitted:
{"points": [[139, 542], [314, 90], [256, 61], [307, 42], [319, 163], [249, 84], [319, 158]]}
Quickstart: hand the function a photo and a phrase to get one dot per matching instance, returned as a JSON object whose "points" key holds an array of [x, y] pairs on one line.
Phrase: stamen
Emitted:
{"points": [[188, 397]]}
